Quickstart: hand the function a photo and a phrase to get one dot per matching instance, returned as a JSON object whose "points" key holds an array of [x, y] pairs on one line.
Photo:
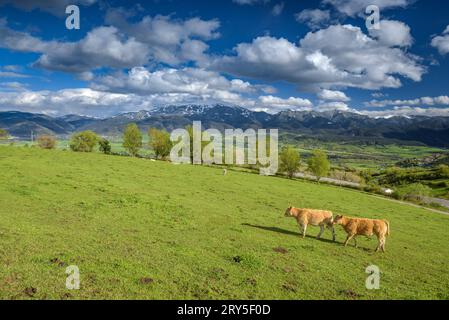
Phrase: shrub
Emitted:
{"points": [[160, 142], [373, 188], [46, 141], [289, 160], [84, 141], [413, 192], [132, 139], [105, 146]]}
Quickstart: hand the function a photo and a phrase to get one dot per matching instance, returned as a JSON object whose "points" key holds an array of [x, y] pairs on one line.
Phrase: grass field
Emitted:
{"points": [[139, 229]]}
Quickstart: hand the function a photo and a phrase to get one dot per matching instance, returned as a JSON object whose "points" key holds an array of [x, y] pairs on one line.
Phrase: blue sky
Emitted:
{"points": [[268, 55]]}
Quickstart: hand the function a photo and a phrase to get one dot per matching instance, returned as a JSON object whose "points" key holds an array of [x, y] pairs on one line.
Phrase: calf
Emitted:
{"points": [[364, 227], [306, 217]]}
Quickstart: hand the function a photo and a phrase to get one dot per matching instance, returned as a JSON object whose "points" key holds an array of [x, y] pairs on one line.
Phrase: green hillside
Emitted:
{"points": [[139, 229]]}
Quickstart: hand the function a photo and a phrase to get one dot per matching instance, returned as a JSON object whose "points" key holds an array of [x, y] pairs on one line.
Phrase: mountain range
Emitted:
{"points": [[329, 125]]}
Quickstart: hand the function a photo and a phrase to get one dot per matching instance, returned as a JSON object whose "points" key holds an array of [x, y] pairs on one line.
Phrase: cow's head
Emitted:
{"points": [[338, 219], [288, 212]]}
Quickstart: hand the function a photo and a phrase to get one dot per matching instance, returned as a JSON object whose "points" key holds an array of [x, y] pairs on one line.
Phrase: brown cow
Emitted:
{"points": [[364, 227], [312, 217]]}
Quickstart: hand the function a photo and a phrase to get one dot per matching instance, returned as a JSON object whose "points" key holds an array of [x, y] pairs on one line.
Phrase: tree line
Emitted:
{"points": [[160, 143], [290, 162]]}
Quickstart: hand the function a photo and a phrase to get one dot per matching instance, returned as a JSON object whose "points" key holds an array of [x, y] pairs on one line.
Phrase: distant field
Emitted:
{"points": [[343, 154], [153, 230]]}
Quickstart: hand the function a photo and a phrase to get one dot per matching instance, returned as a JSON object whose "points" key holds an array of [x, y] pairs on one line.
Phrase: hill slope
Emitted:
{"points": [[153, 230]]}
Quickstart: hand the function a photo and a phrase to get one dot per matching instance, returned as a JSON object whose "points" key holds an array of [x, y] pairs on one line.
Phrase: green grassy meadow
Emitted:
{"points": [[139, 229]]}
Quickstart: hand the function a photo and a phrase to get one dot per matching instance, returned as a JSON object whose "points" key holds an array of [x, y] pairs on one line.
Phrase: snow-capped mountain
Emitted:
{"points": [[329, 125]]}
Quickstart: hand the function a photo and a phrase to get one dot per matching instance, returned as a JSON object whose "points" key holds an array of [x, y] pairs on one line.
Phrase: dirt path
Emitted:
{"points": [[410, 204]]}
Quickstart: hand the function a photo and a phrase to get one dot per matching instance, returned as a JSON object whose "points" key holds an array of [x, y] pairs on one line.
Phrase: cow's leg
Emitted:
{"points": [[321, 232], [379, 245], [304, 231], [348, 238], [383, 244], [301, 229], [333, 233], [355, 241]]}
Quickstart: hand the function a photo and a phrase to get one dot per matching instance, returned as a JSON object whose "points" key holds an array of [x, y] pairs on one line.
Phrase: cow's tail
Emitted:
{"points": [[388, 227]]}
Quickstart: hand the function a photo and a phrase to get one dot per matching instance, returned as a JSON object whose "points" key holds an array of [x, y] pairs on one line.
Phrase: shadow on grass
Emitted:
{"points": [[287, 232]]}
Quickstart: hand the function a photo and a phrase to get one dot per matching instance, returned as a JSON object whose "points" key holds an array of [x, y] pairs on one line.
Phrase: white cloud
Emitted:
{"points": [[274, 104], [93, 102], [277, 9], [171, 41], [333, 95], [313, 18], [9, 74], [194, 81], [442, 42], [357, 7], [392, 33], [12, 86], [337, 57], [331, 106], [156, 39], [12, 71], [426, 101], [102, 47]]}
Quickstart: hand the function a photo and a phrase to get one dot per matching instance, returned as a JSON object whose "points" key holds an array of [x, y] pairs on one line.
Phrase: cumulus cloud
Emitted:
{"points": [[194, 81], [442, 42], [423, 101], [333, 95], [102, 47], [331, 106], [171, 41], [357, 7], [392, 33], [91, 102], [273, 104], [120, 45], [314, 18], [337, 57]]}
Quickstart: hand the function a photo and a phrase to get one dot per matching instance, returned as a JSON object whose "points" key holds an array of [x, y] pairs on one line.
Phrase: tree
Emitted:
{"points": [[84, 141], [3, 134], [289, 159], [132, 139], [46, 141], [319, 164], [160, 142], [104, 146]]}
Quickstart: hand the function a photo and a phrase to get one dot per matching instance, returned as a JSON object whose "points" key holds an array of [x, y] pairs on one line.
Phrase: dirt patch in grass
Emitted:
{"points": [[146, 280], [30, 291], [58, 262], [351, 294], [280, 250]]}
